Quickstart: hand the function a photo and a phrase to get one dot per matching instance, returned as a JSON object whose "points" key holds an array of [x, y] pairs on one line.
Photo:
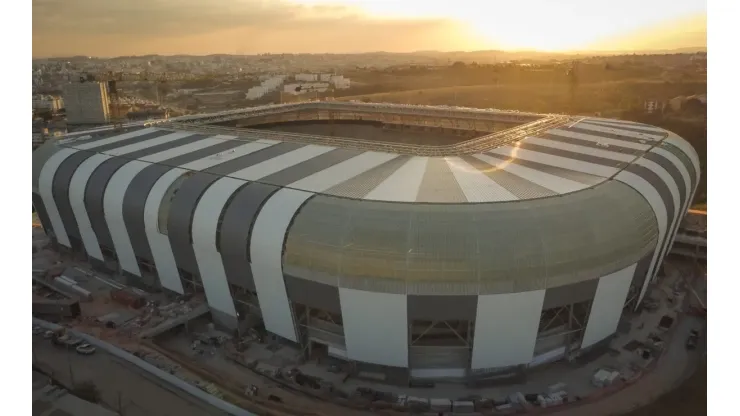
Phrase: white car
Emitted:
{"points": [[85, 349]]}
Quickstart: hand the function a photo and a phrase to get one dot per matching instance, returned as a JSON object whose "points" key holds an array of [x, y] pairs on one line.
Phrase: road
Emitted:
{"points": [[123, 388]]}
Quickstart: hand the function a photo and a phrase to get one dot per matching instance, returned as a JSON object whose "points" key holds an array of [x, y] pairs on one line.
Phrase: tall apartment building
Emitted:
{"points": [[86, 103]]}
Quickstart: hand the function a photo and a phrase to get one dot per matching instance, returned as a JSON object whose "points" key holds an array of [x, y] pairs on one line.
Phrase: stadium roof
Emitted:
{"points": [[557, 161]]}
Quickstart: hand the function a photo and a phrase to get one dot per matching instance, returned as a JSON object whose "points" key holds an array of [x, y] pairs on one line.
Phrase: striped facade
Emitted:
{"points": [[580, 212]]}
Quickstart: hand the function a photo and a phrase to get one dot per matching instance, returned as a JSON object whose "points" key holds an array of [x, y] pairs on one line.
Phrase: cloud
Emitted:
{"points": [[94, 27]]}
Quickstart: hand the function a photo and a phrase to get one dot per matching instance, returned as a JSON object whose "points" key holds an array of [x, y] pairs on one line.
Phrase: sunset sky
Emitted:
{"points": [[199, 27]]}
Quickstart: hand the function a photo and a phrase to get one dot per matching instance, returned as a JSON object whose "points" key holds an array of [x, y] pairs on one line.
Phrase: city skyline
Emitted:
{"points": [[196, 27]]}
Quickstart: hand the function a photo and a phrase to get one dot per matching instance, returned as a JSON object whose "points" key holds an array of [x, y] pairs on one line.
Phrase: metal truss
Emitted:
{"points": [[465, 341], [477, 145], [432, 111]]}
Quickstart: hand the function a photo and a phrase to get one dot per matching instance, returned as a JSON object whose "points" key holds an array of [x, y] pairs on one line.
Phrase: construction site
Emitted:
{"points": [[333, 274], [260, 375]]}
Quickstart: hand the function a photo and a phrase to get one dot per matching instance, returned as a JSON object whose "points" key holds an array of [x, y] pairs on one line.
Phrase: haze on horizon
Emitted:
{"points": [[202, 27]]}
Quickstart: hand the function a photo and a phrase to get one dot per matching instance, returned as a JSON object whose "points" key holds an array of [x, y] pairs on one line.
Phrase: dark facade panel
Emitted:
{"points": [[253, 158], [308, 167], [60, 191], [592, 145], [565, 295], [684, 158], [442, 307], [665, 194], [572, 155], [573, 175], [630, 127], [167, 146], [203, 153], [137, 193], [641, 270], [236, 228], [180, 220], [577, 129], [94, 193], [38, 203], [313, 294], [134, 202], [160, 148], [121, 143], [673, 171], [518, 186]]}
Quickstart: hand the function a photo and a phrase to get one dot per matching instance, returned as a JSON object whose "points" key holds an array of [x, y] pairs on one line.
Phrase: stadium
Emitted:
{"points": [[435, 242]]}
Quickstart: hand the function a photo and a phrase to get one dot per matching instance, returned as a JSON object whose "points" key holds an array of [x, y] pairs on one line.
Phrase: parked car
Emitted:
{"points": [[85, 349]]}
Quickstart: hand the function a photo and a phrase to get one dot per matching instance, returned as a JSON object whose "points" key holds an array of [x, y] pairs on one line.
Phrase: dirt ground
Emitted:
{"points": [[689, 399]]}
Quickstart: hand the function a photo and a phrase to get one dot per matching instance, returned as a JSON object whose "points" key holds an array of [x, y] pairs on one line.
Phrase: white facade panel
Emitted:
{"points": [[46, 184], [128, 261], [266, 248], [608, 122], [506, 328], [557, 161], [673, 189], [607, 306], [223, 157], [622, 132], [111, 140], [281, 162], [687, 185], [543, 179], [181, 150], [77, 187], [334, 175], [403, 184], [606, 154], [205, 226], [661, 214], [476, 186], [147, 143], [113, 211], [689, 150], [600, 140], [164, 258], [375, 329]]}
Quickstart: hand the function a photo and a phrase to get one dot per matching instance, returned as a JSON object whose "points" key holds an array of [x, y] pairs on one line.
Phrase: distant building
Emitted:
{"points": [[255, 93], [340, 82], [653, 106], [86, 103], [307, 77], [47, 103]]}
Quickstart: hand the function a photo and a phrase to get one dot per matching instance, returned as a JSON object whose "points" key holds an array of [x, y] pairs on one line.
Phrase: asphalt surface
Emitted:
{"points": [[123, 388]]}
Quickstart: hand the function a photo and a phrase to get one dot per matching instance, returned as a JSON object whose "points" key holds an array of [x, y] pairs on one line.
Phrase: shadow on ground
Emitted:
{"points": [[688, 399]]}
